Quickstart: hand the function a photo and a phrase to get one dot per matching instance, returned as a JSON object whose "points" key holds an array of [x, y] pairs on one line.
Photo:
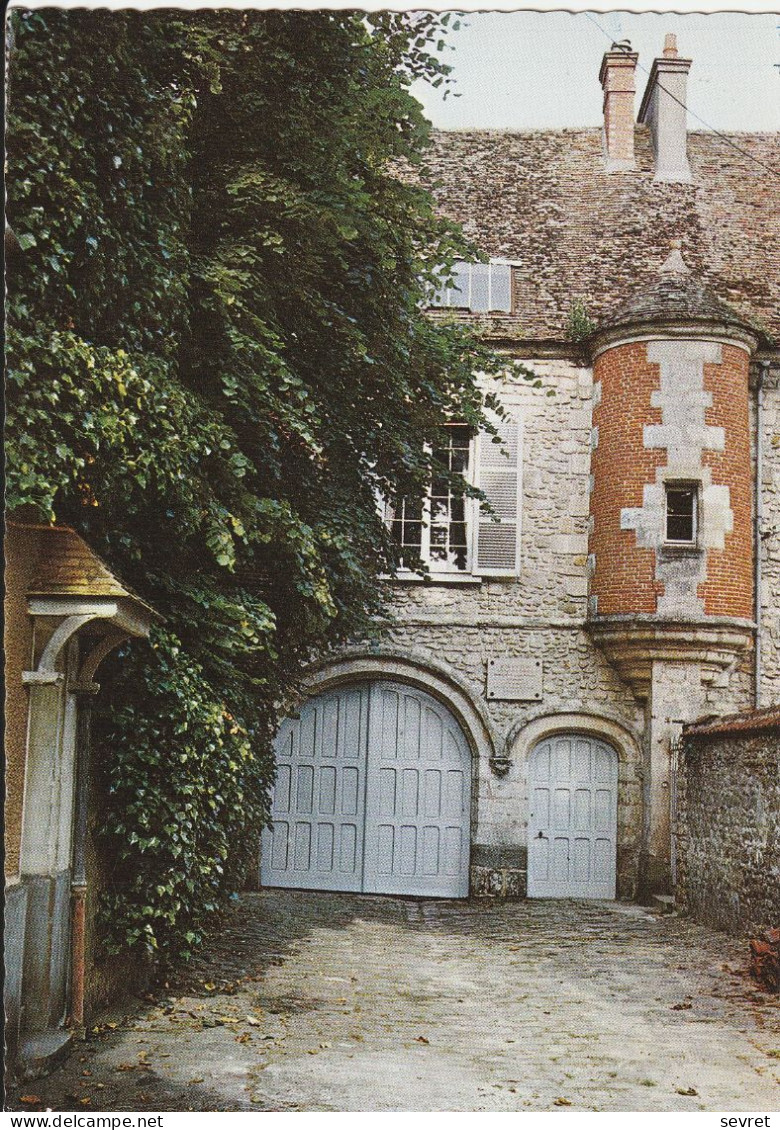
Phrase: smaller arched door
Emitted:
{"points": [[572, 825]]}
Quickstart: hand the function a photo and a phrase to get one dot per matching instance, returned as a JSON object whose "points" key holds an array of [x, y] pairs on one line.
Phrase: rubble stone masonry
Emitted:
{"points": [[728, 826]]}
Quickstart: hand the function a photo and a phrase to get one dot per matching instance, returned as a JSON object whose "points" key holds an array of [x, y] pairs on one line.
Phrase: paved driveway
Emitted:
{"points": [[360, 1003]]}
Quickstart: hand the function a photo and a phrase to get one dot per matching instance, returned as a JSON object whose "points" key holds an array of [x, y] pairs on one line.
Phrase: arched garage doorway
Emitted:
{"points": [[373, 794], [572, 818]]}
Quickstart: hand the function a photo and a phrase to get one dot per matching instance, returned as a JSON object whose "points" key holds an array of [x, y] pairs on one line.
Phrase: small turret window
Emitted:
{"points": [[682, 506]]}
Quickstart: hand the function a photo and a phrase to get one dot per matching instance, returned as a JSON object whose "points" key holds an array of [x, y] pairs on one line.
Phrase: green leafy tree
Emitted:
{"points": [[217, 358]]}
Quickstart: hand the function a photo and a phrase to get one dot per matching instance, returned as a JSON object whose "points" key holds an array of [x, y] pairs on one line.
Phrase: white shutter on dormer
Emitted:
{"points": [[498, 474]]}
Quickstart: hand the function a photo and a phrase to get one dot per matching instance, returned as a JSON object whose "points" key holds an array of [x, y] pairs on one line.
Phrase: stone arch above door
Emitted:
{"points": [[525, 736], [417, 670]]}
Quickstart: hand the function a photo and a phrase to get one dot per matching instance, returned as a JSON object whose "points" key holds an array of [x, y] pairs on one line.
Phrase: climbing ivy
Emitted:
{"points": [[217, 358]]}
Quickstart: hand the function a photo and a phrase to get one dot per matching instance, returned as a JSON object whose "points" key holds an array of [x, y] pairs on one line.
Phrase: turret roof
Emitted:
{"points": [[676, 294]]}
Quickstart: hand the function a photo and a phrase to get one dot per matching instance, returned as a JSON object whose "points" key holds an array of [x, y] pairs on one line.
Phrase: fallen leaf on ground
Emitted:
{"points": [[687, 1091], [681, 1005], [209, 985], [253, 1021], [422, 1040], [561, 1102], [29, 1099]]}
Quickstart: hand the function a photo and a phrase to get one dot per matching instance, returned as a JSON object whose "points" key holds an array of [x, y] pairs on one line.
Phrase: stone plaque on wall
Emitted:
{"points": [[514, 680]]}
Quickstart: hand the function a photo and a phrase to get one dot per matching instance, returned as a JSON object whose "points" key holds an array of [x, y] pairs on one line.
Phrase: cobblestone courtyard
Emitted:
{"points": [[338, 1002]]}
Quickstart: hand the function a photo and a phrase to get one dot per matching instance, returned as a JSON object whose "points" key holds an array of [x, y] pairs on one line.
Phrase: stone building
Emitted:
{"points": [[514, 732]]}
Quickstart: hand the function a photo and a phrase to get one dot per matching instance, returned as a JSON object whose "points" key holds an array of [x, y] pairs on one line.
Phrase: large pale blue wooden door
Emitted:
{"points": [[572, 825], [373, 793], [318, 810], [418, 801]]}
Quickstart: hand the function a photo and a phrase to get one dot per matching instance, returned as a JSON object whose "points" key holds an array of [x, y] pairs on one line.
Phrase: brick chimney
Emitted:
{"points": [[617, 80], [663, 109]]}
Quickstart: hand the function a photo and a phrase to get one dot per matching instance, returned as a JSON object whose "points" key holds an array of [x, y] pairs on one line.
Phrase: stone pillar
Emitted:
{"points": [[676, 696], [45, 855]]}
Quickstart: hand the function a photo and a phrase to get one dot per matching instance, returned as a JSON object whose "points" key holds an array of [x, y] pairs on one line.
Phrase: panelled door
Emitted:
{"points": [[572, 826], [373, 793]]}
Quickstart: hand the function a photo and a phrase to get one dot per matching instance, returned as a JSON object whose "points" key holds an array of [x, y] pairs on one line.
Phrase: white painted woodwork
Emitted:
{"points": [[373, 794], [572, 826], [498, 474]]}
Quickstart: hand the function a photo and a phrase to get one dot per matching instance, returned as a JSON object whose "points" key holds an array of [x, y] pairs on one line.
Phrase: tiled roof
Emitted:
{"points": [[543, 198], [751, 721], [68, 567]]}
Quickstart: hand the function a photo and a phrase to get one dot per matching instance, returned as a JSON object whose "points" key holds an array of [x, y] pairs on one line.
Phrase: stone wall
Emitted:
{"points": [[539, 616], [458, 625], [728, 823]]}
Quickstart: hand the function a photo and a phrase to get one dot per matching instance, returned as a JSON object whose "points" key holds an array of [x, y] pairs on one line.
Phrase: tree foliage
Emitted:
{"points": [[217, 359]]}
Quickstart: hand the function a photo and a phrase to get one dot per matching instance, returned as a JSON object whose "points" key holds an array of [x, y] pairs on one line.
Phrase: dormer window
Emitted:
{"points": [[480, 288], [682, 507]]}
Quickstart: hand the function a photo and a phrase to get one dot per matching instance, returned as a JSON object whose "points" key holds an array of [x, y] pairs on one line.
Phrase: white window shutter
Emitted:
{"points": [[498, 475]]}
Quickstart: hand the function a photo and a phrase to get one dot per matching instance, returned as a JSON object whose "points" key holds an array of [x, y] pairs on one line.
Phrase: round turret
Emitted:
{"points": [[671, 541]]}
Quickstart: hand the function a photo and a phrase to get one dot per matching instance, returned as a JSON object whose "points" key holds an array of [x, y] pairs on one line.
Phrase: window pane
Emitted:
{"points": [[459, 293], [458, 534], [500, 286], [479, 287], [438, 535], [447, 533], [412, 535], [680, 514]]}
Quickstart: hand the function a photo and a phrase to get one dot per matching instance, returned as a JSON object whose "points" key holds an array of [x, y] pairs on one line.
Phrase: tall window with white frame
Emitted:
{"points": [[451, 533], [436, 529]]}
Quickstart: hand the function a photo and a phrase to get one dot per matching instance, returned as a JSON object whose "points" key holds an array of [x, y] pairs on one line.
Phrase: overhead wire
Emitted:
{"points": [[722, 136]]}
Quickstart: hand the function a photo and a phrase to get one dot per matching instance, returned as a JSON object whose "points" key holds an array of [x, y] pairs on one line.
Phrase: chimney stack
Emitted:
{"points": [[663, 109], [617, 79]]}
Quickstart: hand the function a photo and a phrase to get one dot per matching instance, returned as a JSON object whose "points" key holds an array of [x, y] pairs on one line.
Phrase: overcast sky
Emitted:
{"points": [[529, 70]]}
